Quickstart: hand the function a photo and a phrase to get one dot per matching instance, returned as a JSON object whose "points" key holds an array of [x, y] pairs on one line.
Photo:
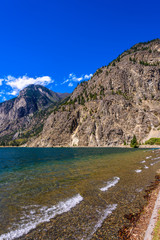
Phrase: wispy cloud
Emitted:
{"points": [[88, 76], [73, 78], [13, 93], [1, 80], [4, 98], [70, 84]]}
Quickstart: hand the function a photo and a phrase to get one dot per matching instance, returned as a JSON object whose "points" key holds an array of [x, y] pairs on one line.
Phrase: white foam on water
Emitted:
{"points": [[108, 211], [146, 167], [143, 161], [155, 158], [148, 157], [45, 215], [139, 190], [110, 184], [155, 162], [138, 170]]}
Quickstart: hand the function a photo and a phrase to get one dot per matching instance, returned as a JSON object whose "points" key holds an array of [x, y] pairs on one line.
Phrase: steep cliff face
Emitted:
{"points": [[28, 110], [121, 99]]}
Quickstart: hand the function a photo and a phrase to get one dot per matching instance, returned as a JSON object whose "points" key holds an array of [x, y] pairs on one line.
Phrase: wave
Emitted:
{"points": [[138, 170], [146, 167], [44, 216], [155, 162], [110, 184], [143, 161], [148, 157], [155, 158], [108, 211], [139, 190]]}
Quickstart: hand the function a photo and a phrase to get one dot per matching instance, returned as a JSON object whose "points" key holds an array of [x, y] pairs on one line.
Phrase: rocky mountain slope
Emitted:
{"points": [[23, 116], [121, 99]]}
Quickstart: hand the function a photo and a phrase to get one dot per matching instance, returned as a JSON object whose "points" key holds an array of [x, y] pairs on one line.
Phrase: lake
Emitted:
{"points": [[72, 193]]}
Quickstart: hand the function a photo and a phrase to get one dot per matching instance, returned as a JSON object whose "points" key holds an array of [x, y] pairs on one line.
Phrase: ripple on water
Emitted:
{"points": [[110, 184], [143, 161], [107, 211], [45, 214], [146, 167]]}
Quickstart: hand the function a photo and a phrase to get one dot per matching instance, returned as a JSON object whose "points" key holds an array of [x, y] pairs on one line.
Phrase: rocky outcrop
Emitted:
{"points": [[26, 112], [121, 99]]}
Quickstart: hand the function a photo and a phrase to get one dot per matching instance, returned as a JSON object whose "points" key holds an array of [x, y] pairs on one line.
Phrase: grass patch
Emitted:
{"points": [[153, 141], [156, 232]]}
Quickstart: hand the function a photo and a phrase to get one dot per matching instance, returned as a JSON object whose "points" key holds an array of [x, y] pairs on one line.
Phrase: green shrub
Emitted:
{"points": [[102, 90], [118, 59], [134, 143], [99, 71], [119, 92], [95, 96], [82, 101], [153, 141], [18, 142], [144, 63]]}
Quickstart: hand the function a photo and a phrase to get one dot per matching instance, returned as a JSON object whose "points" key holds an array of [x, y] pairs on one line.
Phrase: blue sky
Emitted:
{"points": [[60, 43]]}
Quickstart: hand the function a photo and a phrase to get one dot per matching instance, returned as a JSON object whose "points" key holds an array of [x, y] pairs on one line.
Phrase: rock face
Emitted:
{"points": [[120, 100], [18, 114]]}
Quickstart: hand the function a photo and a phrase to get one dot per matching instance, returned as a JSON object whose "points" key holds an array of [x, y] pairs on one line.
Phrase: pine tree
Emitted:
{"points": [[134, 142]]}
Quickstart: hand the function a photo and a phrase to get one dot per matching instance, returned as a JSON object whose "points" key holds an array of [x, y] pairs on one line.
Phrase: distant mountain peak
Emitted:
{"points": [[18, 113]]}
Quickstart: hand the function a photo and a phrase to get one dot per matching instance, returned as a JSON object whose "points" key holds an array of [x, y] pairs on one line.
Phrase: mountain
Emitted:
{"points": [[120, 100], [26, 113]]}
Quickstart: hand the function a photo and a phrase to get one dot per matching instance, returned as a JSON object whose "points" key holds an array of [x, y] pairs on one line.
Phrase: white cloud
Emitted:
{"points": [[14, 93], [70, 84], [73, 78], [65, 81], [88, 76], [1, 80], [22, 82]]}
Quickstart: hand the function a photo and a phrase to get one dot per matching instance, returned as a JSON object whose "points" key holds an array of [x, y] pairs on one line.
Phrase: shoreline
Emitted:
{"points": [[137, 228], [143, 223], [118, 146]]}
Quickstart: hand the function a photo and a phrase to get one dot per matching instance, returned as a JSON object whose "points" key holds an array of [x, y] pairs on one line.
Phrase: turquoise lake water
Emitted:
{"points": [[86, 191]]}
